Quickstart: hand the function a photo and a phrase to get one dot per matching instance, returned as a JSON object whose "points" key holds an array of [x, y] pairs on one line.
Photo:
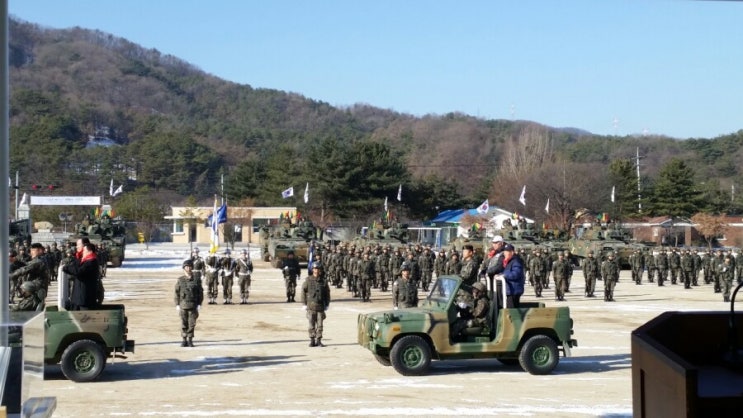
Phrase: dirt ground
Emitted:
{"points": [[254, 359]]}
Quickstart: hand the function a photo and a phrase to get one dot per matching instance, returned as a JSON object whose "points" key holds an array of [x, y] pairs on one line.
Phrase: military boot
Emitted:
{"points": [[190, 342], [319, 343], [184, 343], [312, 342]]}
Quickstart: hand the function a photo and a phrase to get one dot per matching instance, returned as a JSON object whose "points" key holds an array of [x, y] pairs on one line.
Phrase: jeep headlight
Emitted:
{"points": [[376, 326]]}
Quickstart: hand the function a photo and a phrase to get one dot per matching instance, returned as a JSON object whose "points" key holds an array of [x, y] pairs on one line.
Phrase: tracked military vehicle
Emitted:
{"points": [[110, 233], [408, 339], [282, 239], [602, 241], [19, 232], [393, 236]]}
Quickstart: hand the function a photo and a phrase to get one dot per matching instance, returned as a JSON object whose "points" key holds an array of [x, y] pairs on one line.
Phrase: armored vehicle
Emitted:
{"points": [[520, 239], [385, 235], [602, 241], [109, 233], [19, 232], [408, 339], [288, 237]]}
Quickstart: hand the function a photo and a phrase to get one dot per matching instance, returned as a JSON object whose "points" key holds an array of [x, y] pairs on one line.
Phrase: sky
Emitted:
{"points": [[610, 67]]}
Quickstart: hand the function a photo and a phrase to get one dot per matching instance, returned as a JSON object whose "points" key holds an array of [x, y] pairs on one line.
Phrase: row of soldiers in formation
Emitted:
{"points": [[214, 270], [718, 268], [39, 264]]}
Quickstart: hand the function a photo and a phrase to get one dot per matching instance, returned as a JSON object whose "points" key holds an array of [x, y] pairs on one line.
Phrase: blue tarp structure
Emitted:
{"points": [[453, 215]]}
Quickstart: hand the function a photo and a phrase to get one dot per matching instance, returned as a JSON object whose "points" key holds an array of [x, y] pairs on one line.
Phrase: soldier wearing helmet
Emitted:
{"points": [[188, 297], [29, 301], [474, 314], [405, 289], [244, 268], [291, 271], [315, 300], [610, 274]]}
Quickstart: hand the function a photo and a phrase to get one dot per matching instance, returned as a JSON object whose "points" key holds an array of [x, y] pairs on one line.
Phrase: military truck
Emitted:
{"points": [[408, 339], [81, 341], [281, 239], [110, 233]]}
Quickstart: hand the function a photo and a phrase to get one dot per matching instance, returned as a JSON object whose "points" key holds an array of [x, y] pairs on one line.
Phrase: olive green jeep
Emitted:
{"points": [[408, 339], [81, 341]]}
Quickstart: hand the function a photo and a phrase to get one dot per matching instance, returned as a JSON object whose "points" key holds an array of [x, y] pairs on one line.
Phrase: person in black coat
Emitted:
{"points": [[86, 282]]}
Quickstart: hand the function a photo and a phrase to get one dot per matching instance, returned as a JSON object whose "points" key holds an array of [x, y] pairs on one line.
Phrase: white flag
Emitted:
{"points": [[547, 208], [23, 199], [288, 192], [307, 193], [612, 194], [385, 203], [483, 209], [111, 188], [118, 191], [522, 198], [399, 193]]}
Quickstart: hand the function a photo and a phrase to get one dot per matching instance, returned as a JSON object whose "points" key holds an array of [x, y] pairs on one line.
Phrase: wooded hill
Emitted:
{"points": [[177, 130]]}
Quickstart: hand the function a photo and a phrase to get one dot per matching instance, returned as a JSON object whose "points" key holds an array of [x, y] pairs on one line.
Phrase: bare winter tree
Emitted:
{"points": [[526, 152]]}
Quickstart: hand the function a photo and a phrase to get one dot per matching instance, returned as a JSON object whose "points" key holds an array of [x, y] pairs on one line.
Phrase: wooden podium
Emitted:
{"points": [[681, 366]]}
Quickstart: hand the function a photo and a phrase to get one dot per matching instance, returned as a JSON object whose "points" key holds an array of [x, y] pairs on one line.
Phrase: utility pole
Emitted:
{"points": [[639, 188]]}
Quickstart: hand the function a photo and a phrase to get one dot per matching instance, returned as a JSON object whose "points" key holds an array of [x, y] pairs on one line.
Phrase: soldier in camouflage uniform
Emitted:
{"points": [[454, 266], [227, 272], [404, 290], [198, 265], [610, 274], [469, 266], [674, 262], [727, 273], [395, 265], [707, 267], [188, 298], [211, 265], [717, 262], [425, 261], [536, 271], [35, 270], [244, 268], [636, 264], [697, 259], [661, 263], [739, 269], [687, 268], [291, 271], [315, 300], [382, 269], [439, 264], [29, 301], [591, 271], [560, 275], [15, 282], [366, 276], [55, 255], [649, 260]]}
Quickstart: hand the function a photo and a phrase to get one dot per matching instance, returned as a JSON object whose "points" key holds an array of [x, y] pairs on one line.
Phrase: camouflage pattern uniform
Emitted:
{"points": [[291, 271], [687, 269], [649, 260], [636, 264], [227, 265], [404, 290], [211, 264], [727, 273], [198, 265], [425, 261], [188, 298], [29, 301], [15, 282], [674, 262], [316, 300], [661, 262], [591, 271], [739, 269], [439, 264], [382, 268], [560, 275], [610, 273], [536, 272], [366, 276], [717, 262], [468, 273], [454, 266], [707, 267], [244, 268], [697, 259]]}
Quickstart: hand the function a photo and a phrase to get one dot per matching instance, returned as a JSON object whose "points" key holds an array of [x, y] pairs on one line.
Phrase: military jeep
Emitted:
{"points": [[81, 341], [408, 339]]}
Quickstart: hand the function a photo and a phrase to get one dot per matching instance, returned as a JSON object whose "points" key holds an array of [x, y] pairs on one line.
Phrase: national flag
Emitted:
{"points": [[547, 208], [612, 194], [118, 191], [111, 188], [288, 192], [214, 241], [515, 215], [399, 193], [385, 203], [483, 208], [306, 193], [97, 212], [310, 258], [522, 198]]}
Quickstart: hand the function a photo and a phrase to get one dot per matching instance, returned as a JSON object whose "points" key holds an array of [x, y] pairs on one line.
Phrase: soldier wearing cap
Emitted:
{"points": [[591, 271], [472, 315], [404, 289], [244, 267], [610, 274], [227, 266], [316, 301], [188, 298], [291, 271]]}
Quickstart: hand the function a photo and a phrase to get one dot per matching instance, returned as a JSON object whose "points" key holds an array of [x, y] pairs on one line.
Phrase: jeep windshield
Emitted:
{"points": [[443, 289]]}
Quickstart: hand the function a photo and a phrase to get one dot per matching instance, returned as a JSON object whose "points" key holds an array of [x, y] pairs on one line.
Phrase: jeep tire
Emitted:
{"points": [[83, 361], [411, 356], [539, 355]]}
